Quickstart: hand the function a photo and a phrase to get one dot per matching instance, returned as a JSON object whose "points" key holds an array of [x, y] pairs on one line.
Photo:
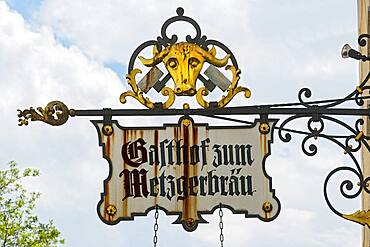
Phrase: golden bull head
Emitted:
{"points": [[184, 61]]}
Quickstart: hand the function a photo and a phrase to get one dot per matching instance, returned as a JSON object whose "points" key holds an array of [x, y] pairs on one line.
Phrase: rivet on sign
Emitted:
{"points": [[186, 106], [267, 207], [190, 222], [186, 122], [111, 210], [107, 129], [264, 128]]}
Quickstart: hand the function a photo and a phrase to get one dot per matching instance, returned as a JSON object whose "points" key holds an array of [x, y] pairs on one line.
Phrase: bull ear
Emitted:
{"points": [[157, 57]]}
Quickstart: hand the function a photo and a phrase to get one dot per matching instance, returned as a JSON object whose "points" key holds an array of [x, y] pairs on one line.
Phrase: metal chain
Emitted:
{"points": [[221, 225], [156, 215]]}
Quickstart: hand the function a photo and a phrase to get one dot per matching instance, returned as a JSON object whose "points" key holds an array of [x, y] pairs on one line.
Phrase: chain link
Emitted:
{"points": [[221, 225], [156, 215]]}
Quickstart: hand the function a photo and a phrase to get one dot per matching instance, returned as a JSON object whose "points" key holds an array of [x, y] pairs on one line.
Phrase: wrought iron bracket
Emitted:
{"points": [[316, 113], [107, 119]]}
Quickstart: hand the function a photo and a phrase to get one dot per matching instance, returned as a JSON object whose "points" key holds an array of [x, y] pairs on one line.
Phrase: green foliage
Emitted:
{"points": [[18, 225]]}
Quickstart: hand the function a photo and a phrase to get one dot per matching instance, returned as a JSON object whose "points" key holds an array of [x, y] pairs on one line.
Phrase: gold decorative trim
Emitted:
{"points": [[267, 207], [107, 129], [203, 91], [184, 73], [184, 61], [55, 113], [359, 135], [166, 91], [111, 210], [136, 92], [359, 90], [233, 90], [360, 216], [186, 122], [264, 128]]}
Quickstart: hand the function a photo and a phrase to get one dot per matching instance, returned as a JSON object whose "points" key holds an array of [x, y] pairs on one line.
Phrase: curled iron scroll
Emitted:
{"points": [[165, 45], [349, 144], [164, 40]]}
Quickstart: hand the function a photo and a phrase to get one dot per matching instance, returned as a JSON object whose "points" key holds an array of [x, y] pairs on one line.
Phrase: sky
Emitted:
{"points": [[78, 51]]}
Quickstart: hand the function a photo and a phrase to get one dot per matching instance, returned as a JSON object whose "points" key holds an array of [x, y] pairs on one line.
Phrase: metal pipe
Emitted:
{"points": [[244, 110]]}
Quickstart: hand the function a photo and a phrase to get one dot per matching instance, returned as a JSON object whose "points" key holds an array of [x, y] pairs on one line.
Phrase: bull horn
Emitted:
{"points": [[210, 57], [213, 51], [157, 57]]}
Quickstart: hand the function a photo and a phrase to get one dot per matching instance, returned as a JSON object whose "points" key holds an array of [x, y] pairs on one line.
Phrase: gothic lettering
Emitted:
{"points": [[136, 185], [172, 152]]}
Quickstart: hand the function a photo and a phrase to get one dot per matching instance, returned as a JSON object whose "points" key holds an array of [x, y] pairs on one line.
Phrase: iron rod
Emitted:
{"points": [[244, 110]]}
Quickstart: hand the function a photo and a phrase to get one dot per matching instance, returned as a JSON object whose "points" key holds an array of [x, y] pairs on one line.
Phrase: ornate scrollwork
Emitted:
{"points": [[55, 113], [346, 187], [355, 94], [203, 91], [165, 40], [166, 91], [362, 39], [233, 90], [184, 62], [136, 92], [350, 144], [360, 216]]}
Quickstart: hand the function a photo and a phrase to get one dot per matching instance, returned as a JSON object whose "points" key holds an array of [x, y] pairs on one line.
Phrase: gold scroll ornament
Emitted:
{"points": [[55, 113], [360, 216], [138, 94], [233, 90], [184, 61]]}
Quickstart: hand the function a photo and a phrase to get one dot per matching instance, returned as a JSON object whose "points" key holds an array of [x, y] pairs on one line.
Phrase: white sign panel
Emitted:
{"points": [[186, 169]]}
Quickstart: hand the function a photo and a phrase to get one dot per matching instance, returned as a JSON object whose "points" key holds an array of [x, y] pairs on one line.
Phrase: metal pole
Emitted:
{"points": [[363, 27], [249, 110]]}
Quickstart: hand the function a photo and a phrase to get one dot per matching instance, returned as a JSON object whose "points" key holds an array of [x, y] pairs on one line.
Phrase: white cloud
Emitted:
{"points": [[40, 69]]}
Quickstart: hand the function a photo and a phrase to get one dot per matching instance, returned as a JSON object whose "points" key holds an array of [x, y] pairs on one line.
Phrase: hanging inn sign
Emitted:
{"points": [[189, 169], [186, 169]]}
